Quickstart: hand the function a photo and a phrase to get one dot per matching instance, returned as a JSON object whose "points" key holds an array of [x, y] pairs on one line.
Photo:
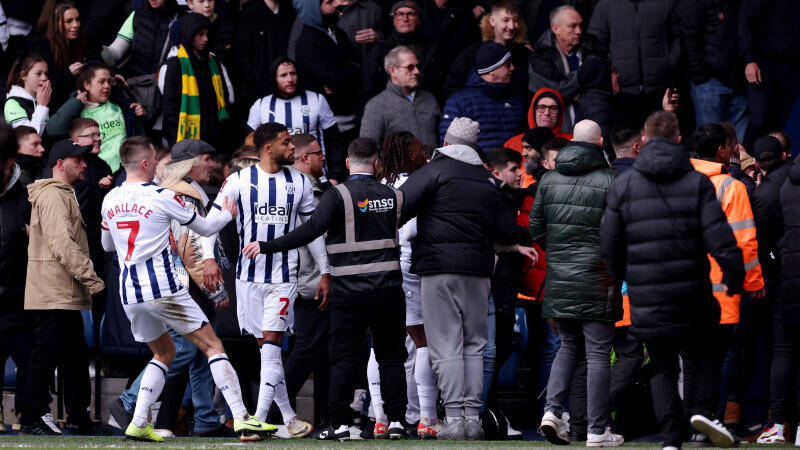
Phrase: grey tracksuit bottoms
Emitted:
{"points": [[454, 309]]}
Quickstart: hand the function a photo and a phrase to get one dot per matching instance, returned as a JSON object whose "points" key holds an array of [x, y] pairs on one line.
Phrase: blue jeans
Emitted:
{"points": [[200, 379], [716, 102]]}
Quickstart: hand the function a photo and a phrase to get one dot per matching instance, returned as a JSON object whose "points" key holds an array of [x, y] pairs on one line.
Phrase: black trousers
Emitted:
{"points": [[719, 339], [504, 337], [309, 354], [771, 102], [696, 350], [630, 356], [784, 370], [383, 311], [58, 342], [16, 342]]}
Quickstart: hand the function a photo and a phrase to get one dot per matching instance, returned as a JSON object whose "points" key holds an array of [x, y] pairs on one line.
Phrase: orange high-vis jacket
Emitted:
{"points": [[732, 195]]}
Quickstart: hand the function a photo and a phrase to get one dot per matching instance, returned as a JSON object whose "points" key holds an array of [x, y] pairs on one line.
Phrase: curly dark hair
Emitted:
{"points": [[395, 158]]}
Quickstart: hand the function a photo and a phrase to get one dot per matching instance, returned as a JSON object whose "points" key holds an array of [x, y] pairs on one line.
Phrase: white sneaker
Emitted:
{"points": [[772, 435], [348, 433], [553, 429], [716, 431], [797, 437], [164, 433], [298, 428], [607, 439], [282, 432], [513, 435], [670, 447], [48, 420]]}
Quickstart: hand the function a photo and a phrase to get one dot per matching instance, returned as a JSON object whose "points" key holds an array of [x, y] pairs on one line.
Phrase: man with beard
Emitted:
{"points": [[532, 142], [302, 112]]}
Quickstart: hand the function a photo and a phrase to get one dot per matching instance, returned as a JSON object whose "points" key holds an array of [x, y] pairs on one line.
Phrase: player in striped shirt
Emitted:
{"points": [[136, 222], [273, 198], [302, 112]]}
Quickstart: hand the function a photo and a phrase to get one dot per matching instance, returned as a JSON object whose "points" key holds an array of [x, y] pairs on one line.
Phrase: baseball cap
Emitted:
{"points": [[65, 148], [190, 148], [767, 148]]}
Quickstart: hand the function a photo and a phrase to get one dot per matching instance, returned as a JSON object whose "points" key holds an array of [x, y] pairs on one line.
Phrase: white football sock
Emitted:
{"points": [[426, 384], [282, 400], [374, 381], [228, 383], [150, 388], [412, 402], [271, 376]]}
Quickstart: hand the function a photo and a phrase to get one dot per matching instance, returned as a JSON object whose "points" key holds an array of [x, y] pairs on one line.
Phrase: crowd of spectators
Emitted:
{"points": [[639, 143]]}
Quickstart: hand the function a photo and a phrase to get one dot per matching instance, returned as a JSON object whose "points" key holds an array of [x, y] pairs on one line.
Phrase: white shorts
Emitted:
{"points": [[265, 306], [151, 319], [413, 305]]}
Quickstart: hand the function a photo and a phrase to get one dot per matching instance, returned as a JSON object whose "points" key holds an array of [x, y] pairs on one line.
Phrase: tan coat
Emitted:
{"points": [[60, 273]]}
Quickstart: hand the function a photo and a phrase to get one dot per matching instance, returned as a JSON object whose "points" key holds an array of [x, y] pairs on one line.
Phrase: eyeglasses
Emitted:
{"points": [[409, 15], [314, 153], [543, 108], [92, 135], [409, 67]]}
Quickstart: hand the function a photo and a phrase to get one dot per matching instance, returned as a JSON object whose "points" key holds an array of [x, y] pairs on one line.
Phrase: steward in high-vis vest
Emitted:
{"points": [[361, 218], [709, 142]]}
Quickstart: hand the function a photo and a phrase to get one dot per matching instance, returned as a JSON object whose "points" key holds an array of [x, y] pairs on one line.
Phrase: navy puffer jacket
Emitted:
{"points": [[499, 112]]}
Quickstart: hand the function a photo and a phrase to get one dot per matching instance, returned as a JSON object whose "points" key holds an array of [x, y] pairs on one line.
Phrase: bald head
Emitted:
{"points": [[587, 131]]}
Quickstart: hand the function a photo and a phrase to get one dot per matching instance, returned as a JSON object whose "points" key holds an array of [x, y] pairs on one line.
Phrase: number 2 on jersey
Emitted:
{"points": [[285, 302], [132, 225]]}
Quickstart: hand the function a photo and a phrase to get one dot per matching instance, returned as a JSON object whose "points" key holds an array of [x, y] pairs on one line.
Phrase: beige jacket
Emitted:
{"points": [[60, 273]]}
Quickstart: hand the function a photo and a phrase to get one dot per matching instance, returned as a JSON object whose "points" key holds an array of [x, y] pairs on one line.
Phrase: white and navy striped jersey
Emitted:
{"points": [[137, 216], [305, 113], [269, 205]]}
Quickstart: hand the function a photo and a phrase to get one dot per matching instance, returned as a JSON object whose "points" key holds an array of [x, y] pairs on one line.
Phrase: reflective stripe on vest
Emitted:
{"points": [[724, 187], [751, 264], [717, 287], [742, 224], [359, 269], [351, 245]]}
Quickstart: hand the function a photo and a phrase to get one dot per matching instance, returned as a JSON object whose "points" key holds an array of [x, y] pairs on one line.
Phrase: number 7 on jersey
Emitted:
{"points": [[132, 225]]}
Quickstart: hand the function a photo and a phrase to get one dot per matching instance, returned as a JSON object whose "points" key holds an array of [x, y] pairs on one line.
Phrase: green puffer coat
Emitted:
{"points": [[565, 221]]}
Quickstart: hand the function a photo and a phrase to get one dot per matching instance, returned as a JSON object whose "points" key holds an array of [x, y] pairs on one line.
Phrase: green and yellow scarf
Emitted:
{"points": [[189, 119]]}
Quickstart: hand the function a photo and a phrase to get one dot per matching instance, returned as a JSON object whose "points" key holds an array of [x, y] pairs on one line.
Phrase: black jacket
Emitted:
{"points": [[769, 32], [769, 219], [661, 221], [508, 270], [31, 167], [642, 39], [457, 210], [90, 198], [211, 129], [453, 28], [151, 31], [709, 36], [790, 254], [15, 212], [325, 63], [261, 37]]}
